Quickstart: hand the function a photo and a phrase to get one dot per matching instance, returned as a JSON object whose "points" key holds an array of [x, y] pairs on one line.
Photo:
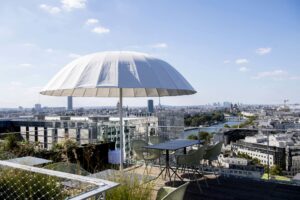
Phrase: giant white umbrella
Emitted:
{"points": [[118, 74]]}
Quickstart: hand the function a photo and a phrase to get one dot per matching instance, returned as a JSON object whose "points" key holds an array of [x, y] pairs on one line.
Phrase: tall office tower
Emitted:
{"points": [[70, 103], [150, 106], [38, 107]]}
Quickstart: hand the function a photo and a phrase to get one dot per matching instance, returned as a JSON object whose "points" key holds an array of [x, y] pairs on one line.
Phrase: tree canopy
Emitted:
{"points": [[204, 118]]}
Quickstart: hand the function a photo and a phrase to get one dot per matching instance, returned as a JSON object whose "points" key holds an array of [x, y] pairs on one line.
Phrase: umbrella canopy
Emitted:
{"points": [[102, 74], [118, 74]]}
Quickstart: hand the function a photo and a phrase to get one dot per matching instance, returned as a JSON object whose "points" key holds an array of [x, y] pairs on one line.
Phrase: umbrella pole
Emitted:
{"points": [[121, 128]]}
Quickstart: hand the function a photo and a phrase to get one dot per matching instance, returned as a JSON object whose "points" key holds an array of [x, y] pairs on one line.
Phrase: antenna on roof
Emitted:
{"points": [[159, 105]]}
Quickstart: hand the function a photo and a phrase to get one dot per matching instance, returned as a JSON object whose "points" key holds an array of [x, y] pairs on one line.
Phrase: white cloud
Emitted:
{"points": [[50, 9], [49, 50], [263, 50], [241, 61], [67, 5], [92, 21], [161, 45], [28, 44], [15, 83], [243, 69], [295, 77], [25, 65], [74, 55], [275, 75], [226, 61], [100, 30], [70, 5]]}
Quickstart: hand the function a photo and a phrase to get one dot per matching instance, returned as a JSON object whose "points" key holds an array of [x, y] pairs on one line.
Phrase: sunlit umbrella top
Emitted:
{"points": [[102, 74]]}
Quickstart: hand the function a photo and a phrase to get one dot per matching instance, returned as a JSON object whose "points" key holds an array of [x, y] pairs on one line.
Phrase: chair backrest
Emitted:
{"points": [[192, 159], [212, 153], [175, 194], [137, 149], [155, 139]]}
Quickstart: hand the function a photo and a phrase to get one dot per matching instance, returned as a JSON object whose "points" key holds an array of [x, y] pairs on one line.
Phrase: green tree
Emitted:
{"points": [[256, 161], [192, 137], [204, 118], [204, 136], [195, 121], [275, 170], [244, 155], [226, 126]]}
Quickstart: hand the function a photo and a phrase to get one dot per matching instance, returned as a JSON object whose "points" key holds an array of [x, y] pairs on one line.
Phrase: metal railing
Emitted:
{"points": [[25, 182], [144, 130]]}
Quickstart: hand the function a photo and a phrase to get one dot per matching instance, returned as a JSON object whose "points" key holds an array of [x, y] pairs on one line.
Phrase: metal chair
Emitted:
{"points": [[155, 139], [142, 154], [212, 154], [191, 161], [169, 193]]}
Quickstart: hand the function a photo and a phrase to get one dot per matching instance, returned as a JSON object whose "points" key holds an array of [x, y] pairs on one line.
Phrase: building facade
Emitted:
{"points": [[272, 155]]}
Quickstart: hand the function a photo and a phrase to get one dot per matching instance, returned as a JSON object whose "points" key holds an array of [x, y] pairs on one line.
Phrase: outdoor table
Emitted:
{"points": [[172, 145]]}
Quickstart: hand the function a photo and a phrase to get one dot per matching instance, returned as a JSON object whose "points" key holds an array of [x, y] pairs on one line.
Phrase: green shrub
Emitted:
{"points": [[192, 137], [10, 142], [65, 150], [274, 170], [6, 155], [130, 188], [25, 148]]}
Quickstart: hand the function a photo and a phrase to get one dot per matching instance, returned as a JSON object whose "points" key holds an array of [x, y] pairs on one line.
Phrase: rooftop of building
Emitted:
{"points": [[277, 140]]}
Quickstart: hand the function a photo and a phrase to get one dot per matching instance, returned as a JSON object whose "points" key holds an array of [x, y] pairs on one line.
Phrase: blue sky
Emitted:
{"points": [[231, 50]]}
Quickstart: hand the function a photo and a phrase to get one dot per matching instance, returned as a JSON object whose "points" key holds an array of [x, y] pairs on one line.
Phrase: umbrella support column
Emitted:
{"points": [[121, 128]]}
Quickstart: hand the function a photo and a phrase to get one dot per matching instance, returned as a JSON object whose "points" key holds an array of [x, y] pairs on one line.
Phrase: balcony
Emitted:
{"points": [[19, 181]]}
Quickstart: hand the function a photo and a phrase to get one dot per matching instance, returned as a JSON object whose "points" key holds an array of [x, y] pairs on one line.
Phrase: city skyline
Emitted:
{"points": [[229, 51]]}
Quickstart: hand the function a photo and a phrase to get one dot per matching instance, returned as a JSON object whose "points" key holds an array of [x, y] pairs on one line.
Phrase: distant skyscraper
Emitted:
{"points": [[150, 106], [38, 107], [118, 105], [70, 103]]}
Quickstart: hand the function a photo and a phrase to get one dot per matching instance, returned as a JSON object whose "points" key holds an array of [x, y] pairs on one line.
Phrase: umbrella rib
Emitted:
{"points": [[96, 95], [109, 91], [84, 91], [170, 77], [100, 68], [72, 93], [154, 71]]}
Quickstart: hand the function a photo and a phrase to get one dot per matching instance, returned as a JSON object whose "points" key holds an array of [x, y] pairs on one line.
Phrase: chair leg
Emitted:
{"points": [[217, 177], [159, 162], [219, 164], [197, 180], [150, 169], [184, 167], [204, 177], [176, 169], [145, 169]]}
